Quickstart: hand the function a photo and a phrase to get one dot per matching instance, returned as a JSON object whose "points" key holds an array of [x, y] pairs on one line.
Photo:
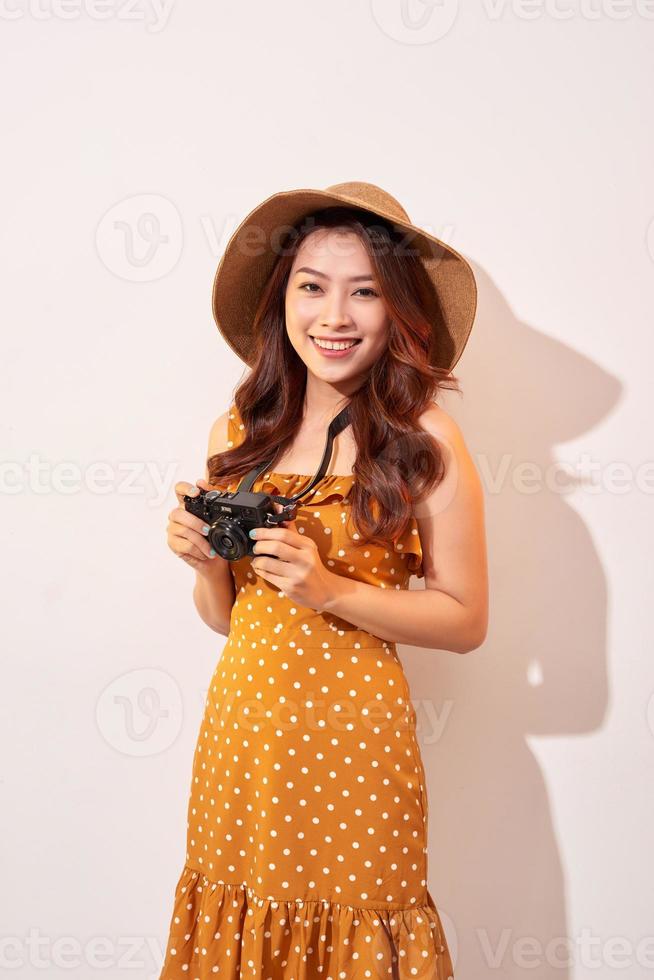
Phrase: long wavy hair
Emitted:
{"points": [[397, 461]]}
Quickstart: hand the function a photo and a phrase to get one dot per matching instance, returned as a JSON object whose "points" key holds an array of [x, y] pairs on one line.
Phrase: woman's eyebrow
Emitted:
{"points": [[315, 272]]}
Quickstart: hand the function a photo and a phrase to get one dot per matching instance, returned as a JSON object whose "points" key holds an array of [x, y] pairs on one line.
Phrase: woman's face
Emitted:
{"points": [[332, 295]]}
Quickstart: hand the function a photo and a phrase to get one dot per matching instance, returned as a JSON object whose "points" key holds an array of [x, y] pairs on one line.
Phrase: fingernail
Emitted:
{"points": [[253, 532], [205, 528], [192, 491], [212, 553]]}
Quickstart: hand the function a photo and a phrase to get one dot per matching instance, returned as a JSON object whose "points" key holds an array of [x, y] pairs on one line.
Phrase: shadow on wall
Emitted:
{"points": [[494, 867]]}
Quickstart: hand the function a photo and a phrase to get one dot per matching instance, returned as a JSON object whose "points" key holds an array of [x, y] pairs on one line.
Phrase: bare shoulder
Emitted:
{"points": [[460, 467], [440, 424]]}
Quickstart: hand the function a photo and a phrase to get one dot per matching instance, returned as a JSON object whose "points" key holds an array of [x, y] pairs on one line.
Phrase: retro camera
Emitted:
{"points": [[231, 514]]}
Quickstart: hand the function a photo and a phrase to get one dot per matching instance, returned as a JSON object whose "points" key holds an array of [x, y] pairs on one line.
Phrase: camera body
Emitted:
{"points": [[231, 515]]}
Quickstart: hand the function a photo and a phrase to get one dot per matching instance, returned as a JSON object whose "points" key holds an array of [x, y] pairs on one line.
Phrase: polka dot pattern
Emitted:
{"points": [[307, 818]]}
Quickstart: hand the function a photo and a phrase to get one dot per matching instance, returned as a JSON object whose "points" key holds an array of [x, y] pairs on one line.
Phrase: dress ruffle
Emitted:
{"points": [[227, 930], [328, 489], [408, 544]]}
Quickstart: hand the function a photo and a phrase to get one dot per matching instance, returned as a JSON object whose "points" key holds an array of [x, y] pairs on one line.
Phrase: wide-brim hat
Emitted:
{"points": [[252, 252]]}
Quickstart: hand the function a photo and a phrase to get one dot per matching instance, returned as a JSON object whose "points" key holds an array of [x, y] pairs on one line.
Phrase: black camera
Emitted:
{"points": [[231, 514]]}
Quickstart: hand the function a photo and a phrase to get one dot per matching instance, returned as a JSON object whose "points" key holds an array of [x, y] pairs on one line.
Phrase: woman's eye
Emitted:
{"points": [[365, 289]]}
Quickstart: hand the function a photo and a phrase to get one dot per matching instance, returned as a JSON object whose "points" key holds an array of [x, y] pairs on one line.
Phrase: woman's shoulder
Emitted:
{"points": [[461, 476], [439, 423], [456, 456]]}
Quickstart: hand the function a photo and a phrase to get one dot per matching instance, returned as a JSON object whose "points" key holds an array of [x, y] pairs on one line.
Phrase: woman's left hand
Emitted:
{"points": [[295, 566]]}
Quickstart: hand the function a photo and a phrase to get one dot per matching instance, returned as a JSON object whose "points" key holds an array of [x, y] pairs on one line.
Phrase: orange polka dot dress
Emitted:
{"points": [[307, 820]]}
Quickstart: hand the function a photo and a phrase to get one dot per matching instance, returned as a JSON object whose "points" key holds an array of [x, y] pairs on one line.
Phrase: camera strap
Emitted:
{"points": [[336, 425]]}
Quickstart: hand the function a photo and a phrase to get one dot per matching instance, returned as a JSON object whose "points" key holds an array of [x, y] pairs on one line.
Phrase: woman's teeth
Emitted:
{"points": [[330, 345]]}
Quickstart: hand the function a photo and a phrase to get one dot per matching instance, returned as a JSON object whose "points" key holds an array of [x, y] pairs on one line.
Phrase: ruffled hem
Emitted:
{"points": [[408, 544], [227, 930]]}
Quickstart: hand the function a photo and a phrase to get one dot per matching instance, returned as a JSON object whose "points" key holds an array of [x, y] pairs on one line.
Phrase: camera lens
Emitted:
{"points": [[229, 540]]}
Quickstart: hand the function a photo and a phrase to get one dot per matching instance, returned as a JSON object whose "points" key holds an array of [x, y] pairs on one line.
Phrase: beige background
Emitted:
{"points": [[134, 140]]}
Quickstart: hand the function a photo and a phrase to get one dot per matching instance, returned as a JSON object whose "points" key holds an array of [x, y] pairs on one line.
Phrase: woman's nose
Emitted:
{"points": [[334, 310]]}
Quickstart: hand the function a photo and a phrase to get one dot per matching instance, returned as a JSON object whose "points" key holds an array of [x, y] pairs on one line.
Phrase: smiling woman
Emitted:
{"points": [[308, 813]]}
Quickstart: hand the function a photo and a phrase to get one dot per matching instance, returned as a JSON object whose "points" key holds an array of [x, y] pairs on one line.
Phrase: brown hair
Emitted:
{"points": [[397, 461]]}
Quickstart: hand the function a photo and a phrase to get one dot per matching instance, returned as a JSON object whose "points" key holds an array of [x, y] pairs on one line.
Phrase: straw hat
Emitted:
{"points": [[253, 248]]}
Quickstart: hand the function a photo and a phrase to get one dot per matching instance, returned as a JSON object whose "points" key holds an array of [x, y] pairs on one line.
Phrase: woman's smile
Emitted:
{"points": [[335, 348]]}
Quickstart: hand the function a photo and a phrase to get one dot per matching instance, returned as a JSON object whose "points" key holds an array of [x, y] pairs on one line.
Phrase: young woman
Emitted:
{"points": [[307, 820]]}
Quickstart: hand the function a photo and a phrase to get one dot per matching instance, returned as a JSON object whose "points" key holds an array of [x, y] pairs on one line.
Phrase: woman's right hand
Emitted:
{"points": [[185, 535]]}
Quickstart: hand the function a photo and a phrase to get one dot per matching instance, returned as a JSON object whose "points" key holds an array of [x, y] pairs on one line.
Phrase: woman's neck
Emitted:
{"points": [[322, 403]]}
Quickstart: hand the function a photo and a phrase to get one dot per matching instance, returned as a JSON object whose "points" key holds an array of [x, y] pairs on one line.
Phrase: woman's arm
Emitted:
{"points": [[213, 593], [417, 617], [451, 613]]}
